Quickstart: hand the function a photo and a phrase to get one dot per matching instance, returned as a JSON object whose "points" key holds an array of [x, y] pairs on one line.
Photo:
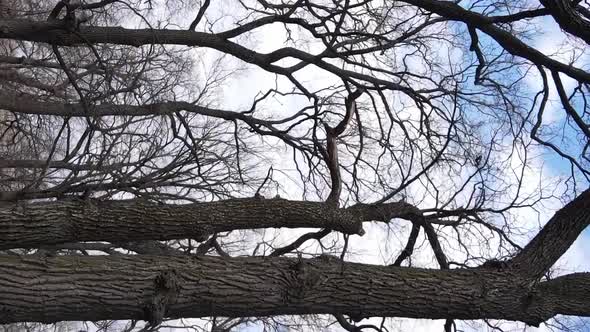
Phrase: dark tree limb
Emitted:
{"points": [[432, 237], [53, 32], [555, 238], [520, 15], [331, 153], [75, 220], [409, 248], [353, 328], [150, 248], [33, 224], [509, 42], [568, 107], [26, 104], [570, 16], [474, 47], [5, 163], [297, 243], [123, 287], [569, 293], [200, 14]]}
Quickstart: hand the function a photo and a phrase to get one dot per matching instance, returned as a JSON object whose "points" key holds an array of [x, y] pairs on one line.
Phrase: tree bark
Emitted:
{"points": [[26, 104], [152, 287], [30, 225], [570, 294], [54, 32], [555, 238]]}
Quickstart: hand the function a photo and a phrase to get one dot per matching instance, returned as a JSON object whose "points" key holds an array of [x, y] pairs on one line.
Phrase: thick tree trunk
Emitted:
{"points": [[30, 225], [144, 287]]}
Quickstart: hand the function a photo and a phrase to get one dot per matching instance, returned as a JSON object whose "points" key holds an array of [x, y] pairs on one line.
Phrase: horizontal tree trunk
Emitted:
{"points": [[30, 225], [153, 287]]}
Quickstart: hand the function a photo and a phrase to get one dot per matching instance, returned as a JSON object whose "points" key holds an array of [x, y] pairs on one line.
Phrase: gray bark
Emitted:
{"points": [[30, 225], [555, 238], [152, 287]]}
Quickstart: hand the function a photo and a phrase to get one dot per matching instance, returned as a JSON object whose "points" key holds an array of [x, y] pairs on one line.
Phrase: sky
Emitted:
{"points": [[378, 245], [370, 248]]}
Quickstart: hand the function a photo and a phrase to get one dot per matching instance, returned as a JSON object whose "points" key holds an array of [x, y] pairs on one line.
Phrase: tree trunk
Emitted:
{"points": [[152, 287], [30, 225]]}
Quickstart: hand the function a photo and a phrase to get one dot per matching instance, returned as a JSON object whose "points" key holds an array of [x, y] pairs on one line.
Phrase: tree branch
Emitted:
{"points": [[53, 32], [76, 220], [511, 43], [331, 154], [297, 243], [409, 248], [570, 294], [123, 287], [569, 18], [26, 104], [32, 224], [555, 238], [200, 15]]}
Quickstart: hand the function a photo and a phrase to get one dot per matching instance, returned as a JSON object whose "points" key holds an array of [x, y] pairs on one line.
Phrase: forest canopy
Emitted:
{"points": [[294, 164]]}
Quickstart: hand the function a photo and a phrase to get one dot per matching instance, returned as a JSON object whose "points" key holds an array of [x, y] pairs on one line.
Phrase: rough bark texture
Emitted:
{"points": [[26, 225], [29, 225], [570, 293], [555, 238], [151, 287]]}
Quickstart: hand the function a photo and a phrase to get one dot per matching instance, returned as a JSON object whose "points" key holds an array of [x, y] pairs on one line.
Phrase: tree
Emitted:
{"points": [[137, 175]]}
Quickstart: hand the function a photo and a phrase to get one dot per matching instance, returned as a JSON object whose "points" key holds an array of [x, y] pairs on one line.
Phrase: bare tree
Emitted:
{"points": [[131, 130]]}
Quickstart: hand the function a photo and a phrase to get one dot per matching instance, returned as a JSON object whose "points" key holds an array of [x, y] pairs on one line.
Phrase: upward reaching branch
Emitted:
{"points": [[52, 32], [555, 238], [331, 155]]}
